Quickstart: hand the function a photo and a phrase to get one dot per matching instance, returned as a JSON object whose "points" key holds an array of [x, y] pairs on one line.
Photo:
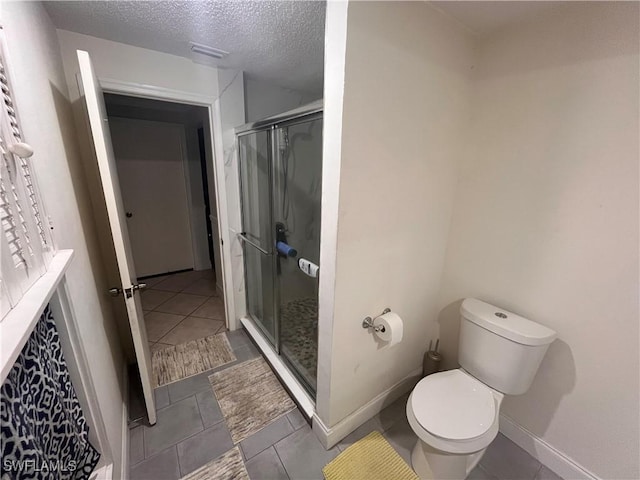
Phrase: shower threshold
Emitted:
{"points": [[300, 395]]}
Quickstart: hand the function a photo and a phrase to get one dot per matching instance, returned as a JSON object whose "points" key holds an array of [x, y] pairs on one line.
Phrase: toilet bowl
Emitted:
{"points": [[455, 414], [455, 418]]}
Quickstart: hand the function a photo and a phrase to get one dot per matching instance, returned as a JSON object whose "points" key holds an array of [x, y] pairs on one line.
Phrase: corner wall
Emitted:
{"points": [[263, 99], [546, 222], [232, 112], [43, 103], [405, 109]]}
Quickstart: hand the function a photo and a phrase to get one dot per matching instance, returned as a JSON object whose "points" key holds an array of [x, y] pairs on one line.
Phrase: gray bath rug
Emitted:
{"points": [[228, 466], [250, 397], [190, 358]]}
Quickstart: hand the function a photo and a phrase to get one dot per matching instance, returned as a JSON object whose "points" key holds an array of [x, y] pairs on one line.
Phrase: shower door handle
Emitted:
{"points": [[242, 236]]}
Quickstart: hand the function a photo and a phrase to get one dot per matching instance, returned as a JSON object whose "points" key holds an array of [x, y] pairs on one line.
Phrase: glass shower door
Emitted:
{"points": [[296, 212], [256, 198]]}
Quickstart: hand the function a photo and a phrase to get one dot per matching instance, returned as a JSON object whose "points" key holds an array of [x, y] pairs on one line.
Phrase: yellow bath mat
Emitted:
{"points": [[371, 458]]}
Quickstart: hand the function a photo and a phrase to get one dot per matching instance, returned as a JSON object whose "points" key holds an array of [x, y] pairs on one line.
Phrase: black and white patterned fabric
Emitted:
{"points": [[44, 432]]}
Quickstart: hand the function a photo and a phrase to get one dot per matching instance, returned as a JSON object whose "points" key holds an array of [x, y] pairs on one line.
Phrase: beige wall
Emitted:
{"points": [[406, 97], [546, 221], [42, 100]]}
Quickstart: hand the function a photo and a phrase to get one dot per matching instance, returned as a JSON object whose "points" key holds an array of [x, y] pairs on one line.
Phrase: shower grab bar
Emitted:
{"points": [[244, 238]]}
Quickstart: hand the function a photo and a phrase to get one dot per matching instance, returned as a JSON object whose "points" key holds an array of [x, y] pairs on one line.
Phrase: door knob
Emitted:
{"points": [[114, 292], [129, 214]]}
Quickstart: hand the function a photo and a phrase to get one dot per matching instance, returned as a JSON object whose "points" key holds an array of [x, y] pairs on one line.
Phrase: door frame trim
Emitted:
{"points": [[215, 126]]}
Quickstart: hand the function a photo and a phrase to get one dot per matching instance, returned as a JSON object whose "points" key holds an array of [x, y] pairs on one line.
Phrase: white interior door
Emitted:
{"points": [[150, 157], [99, 127]]}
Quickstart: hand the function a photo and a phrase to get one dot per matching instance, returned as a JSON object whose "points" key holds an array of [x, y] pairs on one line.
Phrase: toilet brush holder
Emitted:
{"points": [[432, 360]]}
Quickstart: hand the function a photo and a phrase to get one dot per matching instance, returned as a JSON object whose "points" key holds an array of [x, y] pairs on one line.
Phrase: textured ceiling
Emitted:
{"points": [[278, 41], [482, 18]]}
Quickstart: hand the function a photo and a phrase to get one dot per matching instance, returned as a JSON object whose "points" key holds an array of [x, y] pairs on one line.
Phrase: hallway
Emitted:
{"points": [[181, 307]]}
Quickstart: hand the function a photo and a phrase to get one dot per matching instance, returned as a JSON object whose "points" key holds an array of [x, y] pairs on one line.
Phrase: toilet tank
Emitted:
{"points": [[501, 349]]}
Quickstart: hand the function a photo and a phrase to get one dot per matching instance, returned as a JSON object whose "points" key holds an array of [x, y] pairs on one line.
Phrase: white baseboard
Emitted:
{"points": [[331, 436], [543, 452], [124, 458]]}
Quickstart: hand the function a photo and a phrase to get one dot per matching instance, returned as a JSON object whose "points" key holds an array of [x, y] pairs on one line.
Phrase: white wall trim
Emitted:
{"points": [[334, 74], [19, 322], [215, 124], [222, 214], [330, 436], [543, 452], [155, 93]]}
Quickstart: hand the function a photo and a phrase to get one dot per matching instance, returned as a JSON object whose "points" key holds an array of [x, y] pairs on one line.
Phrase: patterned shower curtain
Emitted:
{"points": [[44, 432]]}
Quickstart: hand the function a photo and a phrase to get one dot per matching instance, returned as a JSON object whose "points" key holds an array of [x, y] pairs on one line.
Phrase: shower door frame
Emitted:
{"points": [[271, 125], [276, 291]]}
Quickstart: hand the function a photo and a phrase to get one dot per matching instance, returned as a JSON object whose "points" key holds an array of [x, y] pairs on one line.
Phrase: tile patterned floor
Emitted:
{"points": [[181, 307], [191, 432]]}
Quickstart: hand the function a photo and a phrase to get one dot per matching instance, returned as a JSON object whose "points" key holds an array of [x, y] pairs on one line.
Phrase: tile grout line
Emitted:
{"points": [[212, 370], [175, 445], [180, 293], [171, 329], [144, 451], [183, 320], [153, 289], [200, 411], [178, 460], [174, 292], [185, 317], [289, 420], [206, 318], [224, 417], [280, 459], [169, 277], [242, 454], [271, 445]]}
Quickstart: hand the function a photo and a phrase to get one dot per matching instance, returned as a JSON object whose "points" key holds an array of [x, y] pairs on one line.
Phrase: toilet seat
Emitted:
{"points": [[453, 406]]}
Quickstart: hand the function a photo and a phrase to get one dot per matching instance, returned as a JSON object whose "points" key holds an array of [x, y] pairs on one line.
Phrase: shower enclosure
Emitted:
{"points": [[280, 162]]}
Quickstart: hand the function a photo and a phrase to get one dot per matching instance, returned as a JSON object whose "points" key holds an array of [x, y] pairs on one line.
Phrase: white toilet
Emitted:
{"points": [[455, 413]]}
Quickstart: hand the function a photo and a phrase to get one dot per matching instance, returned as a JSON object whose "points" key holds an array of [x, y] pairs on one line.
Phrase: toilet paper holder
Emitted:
{"points": [[368, 322]]}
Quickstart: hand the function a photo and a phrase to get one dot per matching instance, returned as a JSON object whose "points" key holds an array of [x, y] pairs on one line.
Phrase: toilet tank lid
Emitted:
{"points": [[506, 324]]}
